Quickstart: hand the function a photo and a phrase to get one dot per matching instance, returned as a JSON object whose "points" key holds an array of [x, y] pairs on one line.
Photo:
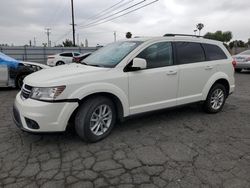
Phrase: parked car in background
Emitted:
{"points": [[12, 72], [123, 79], [62, 58], [242, 61], [79, 58]]}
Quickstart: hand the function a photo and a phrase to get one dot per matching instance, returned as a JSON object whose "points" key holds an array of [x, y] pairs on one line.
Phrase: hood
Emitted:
{"points": [[8, 61], [62, 73], [36, 64]]}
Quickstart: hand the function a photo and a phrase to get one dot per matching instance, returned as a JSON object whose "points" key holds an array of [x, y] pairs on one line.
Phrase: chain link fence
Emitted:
{"points": [[39, 54]]}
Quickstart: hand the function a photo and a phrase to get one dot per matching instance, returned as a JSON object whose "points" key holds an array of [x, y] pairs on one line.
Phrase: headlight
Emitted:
{"points": [[46, 93]]}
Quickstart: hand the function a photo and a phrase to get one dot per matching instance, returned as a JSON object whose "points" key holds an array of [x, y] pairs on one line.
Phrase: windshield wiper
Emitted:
{"points": [[94, 65], [82, 62]]}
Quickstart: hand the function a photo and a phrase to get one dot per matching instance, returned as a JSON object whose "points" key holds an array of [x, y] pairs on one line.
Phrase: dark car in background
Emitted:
{"points": [[79, 58]]}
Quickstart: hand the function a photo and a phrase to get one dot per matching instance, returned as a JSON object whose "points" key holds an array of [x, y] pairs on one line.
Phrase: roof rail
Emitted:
{"points": [[185, 35]]}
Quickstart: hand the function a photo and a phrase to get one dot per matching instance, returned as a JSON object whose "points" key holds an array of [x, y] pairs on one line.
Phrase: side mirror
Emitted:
{"points": [[139, 64]]}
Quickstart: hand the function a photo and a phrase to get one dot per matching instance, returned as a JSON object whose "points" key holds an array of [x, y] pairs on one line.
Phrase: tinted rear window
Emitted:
{"points": [[66, 55], [189, 52], [214, 52]]}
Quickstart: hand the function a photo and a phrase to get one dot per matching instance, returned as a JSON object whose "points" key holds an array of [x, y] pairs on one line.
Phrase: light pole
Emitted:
{"points": [[73, 22]]}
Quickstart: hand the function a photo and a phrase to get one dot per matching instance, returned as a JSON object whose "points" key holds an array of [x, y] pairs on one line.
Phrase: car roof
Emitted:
{"points": [[176, 38]]}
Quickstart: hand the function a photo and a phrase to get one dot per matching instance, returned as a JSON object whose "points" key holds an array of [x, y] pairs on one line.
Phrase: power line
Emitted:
{"points": [[73, 22], [110, 11], [120, 15], [105, 10], [118, 12], [58, 11], [62, 36]]}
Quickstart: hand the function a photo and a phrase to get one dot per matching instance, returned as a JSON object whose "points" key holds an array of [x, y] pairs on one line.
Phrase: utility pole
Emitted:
{"points": [[48, 31], [114, 36], [73, 22], [34, 43]]}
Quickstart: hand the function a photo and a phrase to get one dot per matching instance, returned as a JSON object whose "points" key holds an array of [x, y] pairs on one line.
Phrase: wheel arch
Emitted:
{"points": [[221, 78], [117, 102]]}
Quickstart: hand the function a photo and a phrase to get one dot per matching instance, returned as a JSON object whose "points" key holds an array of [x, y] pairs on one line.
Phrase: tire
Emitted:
{"points": [[19, 81], [238, 70], [59, 63], [209, 106], [86, 119]]}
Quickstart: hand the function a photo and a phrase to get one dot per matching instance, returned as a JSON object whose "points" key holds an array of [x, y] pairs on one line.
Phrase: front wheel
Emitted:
{"points": [[95, 119], [216, 99]]}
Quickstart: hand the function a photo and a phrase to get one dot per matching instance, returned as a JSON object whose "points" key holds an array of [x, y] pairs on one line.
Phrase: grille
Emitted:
{"points": [[26, 90]]}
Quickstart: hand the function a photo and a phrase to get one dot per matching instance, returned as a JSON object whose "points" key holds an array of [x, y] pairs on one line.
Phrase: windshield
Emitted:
{"points": [[112, 54], [245, 52]]}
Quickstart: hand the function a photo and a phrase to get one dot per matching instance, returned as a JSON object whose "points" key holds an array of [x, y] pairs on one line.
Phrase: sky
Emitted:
{"points": [[24, 20]]}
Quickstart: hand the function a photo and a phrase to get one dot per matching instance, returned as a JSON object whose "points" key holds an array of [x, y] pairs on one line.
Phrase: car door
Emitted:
{"points": [[194, 71], [67, 57], [156, 86]]}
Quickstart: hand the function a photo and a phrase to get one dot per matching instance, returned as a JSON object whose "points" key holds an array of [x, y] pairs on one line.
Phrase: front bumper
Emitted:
{"points": [[50, 117]]}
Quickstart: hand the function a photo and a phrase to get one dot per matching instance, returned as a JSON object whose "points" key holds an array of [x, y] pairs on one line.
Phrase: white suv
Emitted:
{"points": [[122, 79]]}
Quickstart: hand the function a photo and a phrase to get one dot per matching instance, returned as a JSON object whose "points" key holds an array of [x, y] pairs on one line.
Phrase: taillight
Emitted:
{"points": [[234, 63], [50, 57], [248, 59]]}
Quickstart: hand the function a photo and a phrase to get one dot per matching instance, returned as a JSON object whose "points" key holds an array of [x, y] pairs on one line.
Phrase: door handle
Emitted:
{"points": [[209, 67], [171, 72]]}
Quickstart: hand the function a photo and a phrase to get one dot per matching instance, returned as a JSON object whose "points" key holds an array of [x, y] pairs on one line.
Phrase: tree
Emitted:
{"points": [[237, 43], [200, 26], [224, 37], [68, 43], [128, 35]]}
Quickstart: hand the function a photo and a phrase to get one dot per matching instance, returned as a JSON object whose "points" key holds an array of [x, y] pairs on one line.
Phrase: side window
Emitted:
{"points": [[189, 52], [158, 55], [66, 54], [214, 52]]}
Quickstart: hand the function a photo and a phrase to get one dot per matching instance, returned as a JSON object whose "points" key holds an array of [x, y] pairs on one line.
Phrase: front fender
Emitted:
{"points": [[211, 81], [103, 87]]}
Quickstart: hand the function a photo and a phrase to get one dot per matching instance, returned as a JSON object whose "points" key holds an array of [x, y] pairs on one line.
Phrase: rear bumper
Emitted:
{"points": [[242, 65], [51, 62]]}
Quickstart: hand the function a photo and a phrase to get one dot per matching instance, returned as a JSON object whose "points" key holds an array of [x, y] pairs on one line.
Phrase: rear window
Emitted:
{"points": [[76, 54], [189, 52], [214, 52], [66, 54]]}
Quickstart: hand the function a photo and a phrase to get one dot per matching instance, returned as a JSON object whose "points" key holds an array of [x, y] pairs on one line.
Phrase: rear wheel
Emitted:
{"points": [[95, 119], [60, 63], [238, 70], [216, 99]]}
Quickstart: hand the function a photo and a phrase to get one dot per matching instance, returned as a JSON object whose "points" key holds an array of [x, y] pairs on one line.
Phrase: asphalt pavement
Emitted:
{"points": [[182, 147]]}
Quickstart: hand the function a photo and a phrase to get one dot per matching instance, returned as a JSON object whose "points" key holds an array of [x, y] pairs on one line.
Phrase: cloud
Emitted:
{"points": [[21, 20]]}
